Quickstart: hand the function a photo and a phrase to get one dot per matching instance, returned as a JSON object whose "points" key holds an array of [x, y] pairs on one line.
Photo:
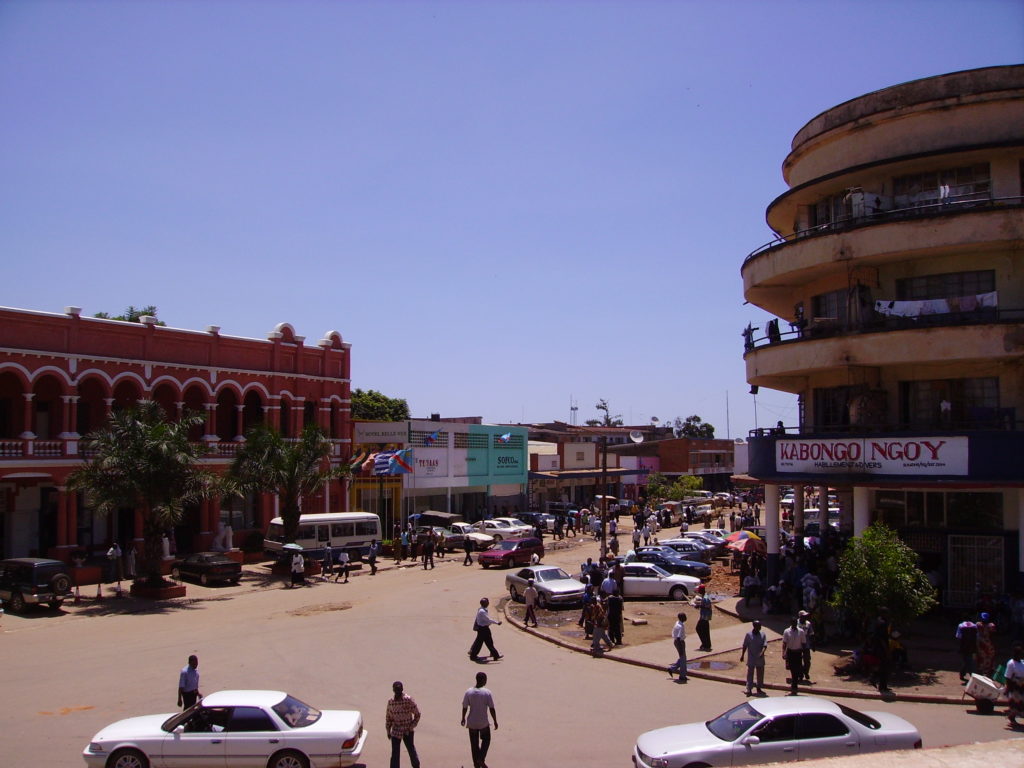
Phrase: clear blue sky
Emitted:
{"points": [[501, 205]]}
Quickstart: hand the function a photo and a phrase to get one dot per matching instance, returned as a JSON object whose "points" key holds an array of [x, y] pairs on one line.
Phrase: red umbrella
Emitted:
{"points": [[742, 535], [747, 545]]}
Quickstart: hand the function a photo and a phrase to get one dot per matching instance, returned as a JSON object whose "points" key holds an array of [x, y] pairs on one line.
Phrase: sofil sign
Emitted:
{"points": [[877, 456]]}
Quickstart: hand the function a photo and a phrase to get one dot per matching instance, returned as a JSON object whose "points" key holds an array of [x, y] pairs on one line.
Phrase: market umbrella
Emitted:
{"points": [[292, 546], [742, 536], [753, 544]]}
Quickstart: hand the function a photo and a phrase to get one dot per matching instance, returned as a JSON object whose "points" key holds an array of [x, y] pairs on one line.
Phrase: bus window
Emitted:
{"points": [[367, 528], [341, 530], [305, 532], [275, 532], [323, 533]]}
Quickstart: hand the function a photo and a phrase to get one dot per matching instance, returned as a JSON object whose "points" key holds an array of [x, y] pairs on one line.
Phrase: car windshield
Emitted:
{"points": [[296, 713], [505, 546], [498, 523], [860, 717], [730, 725], [551, 574], [659, 570]]}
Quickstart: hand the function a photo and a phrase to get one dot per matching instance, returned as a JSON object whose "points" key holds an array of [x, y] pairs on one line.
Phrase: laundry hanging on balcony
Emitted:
{"points": [[938, 306]]}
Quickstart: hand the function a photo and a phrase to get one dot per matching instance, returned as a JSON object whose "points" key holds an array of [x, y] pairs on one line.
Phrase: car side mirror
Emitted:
{"points": [[179, 729], [750, 741]]}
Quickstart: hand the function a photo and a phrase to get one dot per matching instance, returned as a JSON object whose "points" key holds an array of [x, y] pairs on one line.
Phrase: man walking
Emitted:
{"points": [[428, 550], [967, 637], [371, 556], [482, 627], [793, 653], [600, 616], [467, 544], [703, 604], [477, 702], [530, 596], [400, 722], [804, 622], [188, 683], [754, 646], [342, 567], [679, 641], [328, 562], [615, 606]]}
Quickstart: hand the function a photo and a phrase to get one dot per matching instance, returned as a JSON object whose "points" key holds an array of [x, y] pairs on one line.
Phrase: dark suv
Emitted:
{"points": [[25, 580]]}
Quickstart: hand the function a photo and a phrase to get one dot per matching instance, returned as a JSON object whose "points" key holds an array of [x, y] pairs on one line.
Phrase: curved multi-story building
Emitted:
{"points": [[897, 281]]}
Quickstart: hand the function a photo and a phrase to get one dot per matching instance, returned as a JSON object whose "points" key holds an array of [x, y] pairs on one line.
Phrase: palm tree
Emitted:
{"points": [[141, 460], [269, 463]]}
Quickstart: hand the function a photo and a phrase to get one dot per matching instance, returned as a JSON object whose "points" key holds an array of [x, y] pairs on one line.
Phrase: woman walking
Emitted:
{"points": [[1015, 685], [986, 653]]}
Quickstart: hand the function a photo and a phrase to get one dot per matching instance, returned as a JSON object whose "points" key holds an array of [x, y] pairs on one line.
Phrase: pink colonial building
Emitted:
{"points": [[62, 375]]}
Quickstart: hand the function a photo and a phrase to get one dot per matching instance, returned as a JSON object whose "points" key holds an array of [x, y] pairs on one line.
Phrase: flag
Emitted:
{"points": [[432, 438], [382, 463], [401, 462], [506, 437]]}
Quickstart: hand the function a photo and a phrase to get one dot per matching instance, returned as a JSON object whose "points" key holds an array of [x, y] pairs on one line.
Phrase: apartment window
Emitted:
{"points": [[831, 210], [946, 286], [832, 407], [971, 182], [830, 305], [239, 513], [951, 402]]}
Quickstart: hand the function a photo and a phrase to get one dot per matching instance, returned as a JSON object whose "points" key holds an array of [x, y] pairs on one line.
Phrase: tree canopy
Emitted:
{"points": [[371, 405], [142, 461], [694, 426], [270, 463], [662, 488], [877, 570], [607, 420], [132, 314]]}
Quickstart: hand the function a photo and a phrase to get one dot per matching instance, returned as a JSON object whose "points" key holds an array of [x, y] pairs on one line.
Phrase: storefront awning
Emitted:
{"points": [[576, 474]]}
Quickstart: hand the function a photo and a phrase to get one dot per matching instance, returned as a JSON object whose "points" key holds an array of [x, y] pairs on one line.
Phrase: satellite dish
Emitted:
{"points": [[636, 436], [677, 431], [655, 419]]}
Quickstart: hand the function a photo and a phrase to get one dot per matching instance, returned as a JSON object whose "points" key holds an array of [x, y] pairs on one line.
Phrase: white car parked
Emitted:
{"points": [[235, 729], [648, 580], [517, 525], [778, 729], [499, 529]]}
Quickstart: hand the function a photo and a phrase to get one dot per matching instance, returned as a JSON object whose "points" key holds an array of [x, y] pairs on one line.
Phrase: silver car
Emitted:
{"points": [[648, 580], [554, 586], [778, 729]]}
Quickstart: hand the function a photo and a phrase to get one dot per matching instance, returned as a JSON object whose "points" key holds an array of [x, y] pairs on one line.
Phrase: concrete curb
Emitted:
{"points": [[741, 681]]}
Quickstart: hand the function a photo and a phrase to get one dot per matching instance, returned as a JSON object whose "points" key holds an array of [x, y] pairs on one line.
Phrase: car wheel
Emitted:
{"points": [[16, 603], [542, 600], [61, 583], [56, 604], [288, 759], [484, 565], [127, 758], [497, 537], [677, 593], [204, 579], [512, 593], [176, 574]]}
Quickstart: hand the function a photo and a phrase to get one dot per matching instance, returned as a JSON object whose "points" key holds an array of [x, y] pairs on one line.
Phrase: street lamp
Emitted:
{"points": [[637, 437]]}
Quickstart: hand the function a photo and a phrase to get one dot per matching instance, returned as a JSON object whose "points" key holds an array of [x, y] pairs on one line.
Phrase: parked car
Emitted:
{"points": [[777, 729], [648, 580], [509, 552], [33, 580], [543, 519], [452, 540], [480, 540], [519, 527], [554, 586], [497, 529], [207, 567], [668, 559], [690, 549], [264, 728], [715, 543]]}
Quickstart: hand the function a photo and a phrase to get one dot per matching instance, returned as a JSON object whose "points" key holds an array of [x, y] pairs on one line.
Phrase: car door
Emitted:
{"points": [[777, 743], [199, 741], [821, 734], [641, 582], [251, 736]]}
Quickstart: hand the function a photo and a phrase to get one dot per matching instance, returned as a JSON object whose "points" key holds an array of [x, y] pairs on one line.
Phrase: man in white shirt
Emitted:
{"points": [[477, 702], [608, 585], [482, 627], [530, 596], [342, 566], [679, 641], [793, 640]]}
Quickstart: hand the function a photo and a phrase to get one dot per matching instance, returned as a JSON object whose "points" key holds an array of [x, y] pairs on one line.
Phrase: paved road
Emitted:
{"points": [[66, 676]]}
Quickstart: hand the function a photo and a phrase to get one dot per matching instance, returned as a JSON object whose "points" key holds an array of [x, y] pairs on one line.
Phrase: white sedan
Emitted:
{"points": [[517, 525], [498, 529], [243, 729], [775, 730], [648, 580]]}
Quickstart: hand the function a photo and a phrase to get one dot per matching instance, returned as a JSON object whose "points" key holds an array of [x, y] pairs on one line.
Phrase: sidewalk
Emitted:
{"points": [[931, 685]]}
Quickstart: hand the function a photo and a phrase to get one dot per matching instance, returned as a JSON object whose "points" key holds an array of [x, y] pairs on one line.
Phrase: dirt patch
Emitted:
{"points": [[312, 610]]}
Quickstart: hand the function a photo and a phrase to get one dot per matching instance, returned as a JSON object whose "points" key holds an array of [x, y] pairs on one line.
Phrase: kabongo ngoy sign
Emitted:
{"points": [[874, 455]]}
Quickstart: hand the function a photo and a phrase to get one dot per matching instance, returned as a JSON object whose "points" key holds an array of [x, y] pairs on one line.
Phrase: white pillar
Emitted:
{"points": [[771, 522], [798, 511], [861, 509], [1020, 530]]}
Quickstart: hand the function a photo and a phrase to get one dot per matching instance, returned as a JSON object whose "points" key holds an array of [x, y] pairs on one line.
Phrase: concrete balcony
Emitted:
{"points": [[787, 362], [771, 272]]}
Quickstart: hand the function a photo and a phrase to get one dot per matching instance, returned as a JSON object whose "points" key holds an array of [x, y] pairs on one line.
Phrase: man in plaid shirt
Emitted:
{"points": [[400, 721]]}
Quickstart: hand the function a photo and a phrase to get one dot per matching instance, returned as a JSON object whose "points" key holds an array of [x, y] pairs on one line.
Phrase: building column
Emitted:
{"points": [[28, 417], [179, 408], [211, 423], [1020, 530], [62, 517], [771, 522], [239, 425], [798, 510], [108, 407], [861, 509]]}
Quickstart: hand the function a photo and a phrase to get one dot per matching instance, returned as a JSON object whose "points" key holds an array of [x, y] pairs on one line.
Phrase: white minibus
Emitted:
{"points": [[349, 531]]}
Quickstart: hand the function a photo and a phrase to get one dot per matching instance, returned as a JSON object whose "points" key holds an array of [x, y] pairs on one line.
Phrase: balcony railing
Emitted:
{"points": [[881, 216], [982, 420], [828, 327], [20, 448]]}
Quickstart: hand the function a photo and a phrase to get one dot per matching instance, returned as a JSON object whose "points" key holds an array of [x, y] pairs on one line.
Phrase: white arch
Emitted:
{"points": [[257, 386], [62, 374], [231, 384], [196, 380], [25, 378], [94, 371], [280, 328], [166, 377], [128, 375]]}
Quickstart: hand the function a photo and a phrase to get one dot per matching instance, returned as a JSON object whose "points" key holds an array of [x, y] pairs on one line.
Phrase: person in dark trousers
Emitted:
{"points": [[400, 722], [467, 545], [793, 653], [482, 627], [703, 605], [188, 683], [477, 702], [371, 556], [615, 607], [679, 641], [428, 550], [967, 642], [881, 637]]}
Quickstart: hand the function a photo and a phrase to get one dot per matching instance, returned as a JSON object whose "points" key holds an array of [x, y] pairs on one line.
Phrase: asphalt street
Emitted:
{"points": [[340, 646]]}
